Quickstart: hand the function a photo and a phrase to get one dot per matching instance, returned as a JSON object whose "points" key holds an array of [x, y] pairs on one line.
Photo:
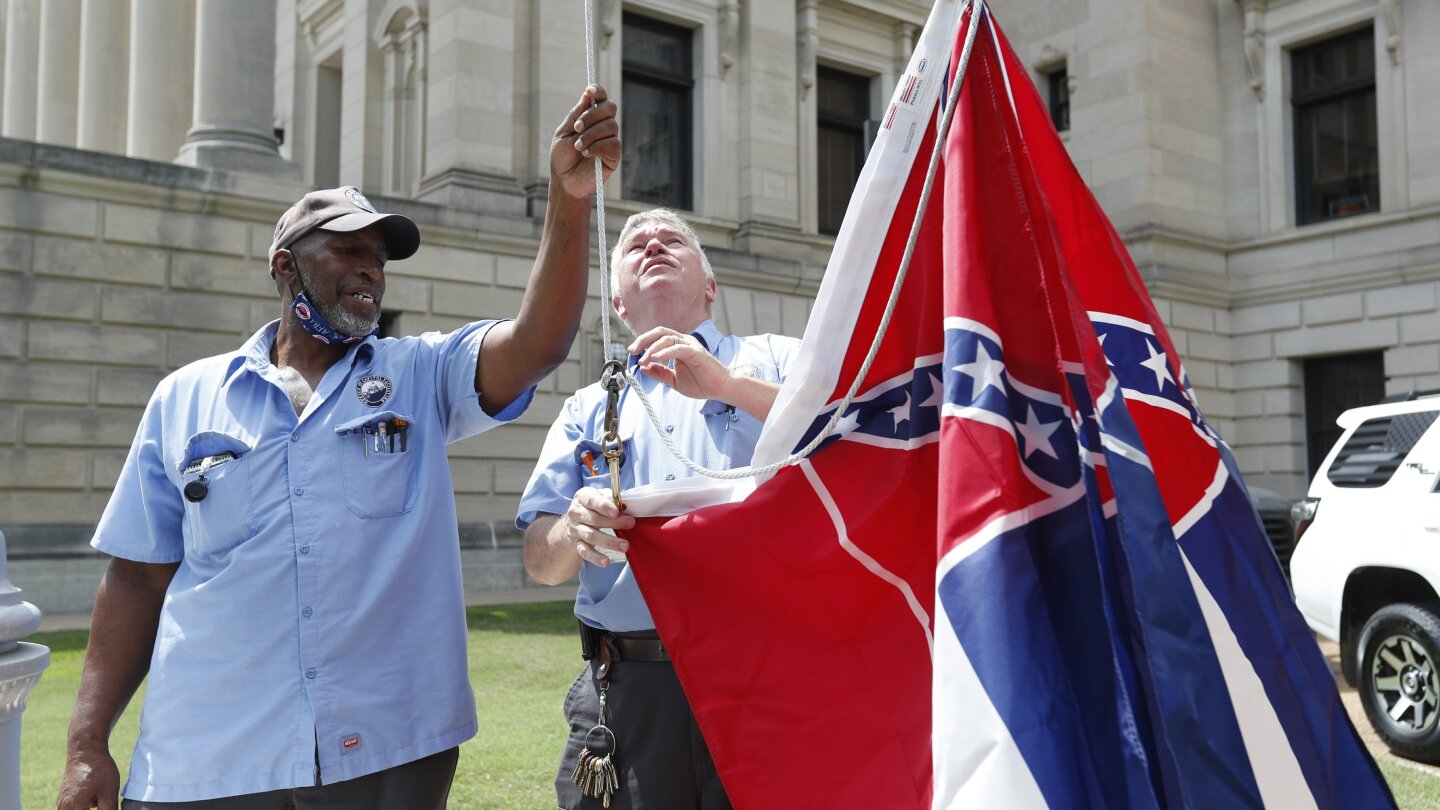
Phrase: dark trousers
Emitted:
{"points": [[659, 755], [420, 785]]}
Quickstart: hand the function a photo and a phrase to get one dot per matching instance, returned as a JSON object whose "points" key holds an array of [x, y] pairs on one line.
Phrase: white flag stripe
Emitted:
{"points": [[871, 564]]}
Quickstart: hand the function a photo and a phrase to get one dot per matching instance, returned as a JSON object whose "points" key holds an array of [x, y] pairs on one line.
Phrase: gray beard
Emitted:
{"points": [[336, 315]]}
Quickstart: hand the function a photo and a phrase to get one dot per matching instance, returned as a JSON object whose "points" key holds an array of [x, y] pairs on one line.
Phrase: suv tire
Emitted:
{"points": [[1399, 678]]}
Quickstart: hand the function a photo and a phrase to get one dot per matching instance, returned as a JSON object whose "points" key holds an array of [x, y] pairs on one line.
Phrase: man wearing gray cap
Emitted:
{"points": [[285, 557]]}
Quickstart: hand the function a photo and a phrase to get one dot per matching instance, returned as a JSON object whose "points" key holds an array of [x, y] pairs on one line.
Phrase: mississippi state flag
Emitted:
{"points": [[1023, 571]]}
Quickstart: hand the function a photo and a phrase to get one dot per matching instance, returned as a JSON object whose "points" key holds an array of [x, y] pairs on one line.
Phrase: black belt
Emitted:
{"points": [[631, 648]]}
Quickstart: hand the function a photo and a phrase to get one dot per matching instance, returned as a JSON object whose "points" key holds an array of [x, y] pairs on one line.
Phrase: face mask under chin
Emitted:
{"points": [[328, 324]]}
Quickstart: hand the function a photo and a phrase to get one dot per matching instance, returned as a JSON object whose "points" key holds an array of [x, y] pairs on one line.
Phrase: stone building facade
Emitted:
{"points": [[149, 145]]}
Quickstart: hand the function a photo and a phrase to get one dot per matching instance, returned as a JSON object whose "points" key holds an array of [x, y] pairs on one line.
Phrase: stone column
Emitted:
{"points": [[162, 85], [104, 65], [470, 109], [233, 125], [22, 61], [768, 115], [59, 71], [21, 665]]}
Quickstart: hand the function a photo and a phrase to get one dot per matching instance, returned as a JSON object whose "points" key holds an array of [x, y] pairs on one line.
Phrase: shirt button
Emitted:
{"points": [[670, 476], [310, 673], [306, 612], [299, 490], [304, 549], [669, 428], [294, 437]]}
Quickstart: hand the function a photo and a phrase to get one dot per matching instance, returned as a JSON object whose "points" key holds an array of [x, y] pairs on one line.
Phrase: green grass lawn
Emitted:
{"points": [[522, 659]]}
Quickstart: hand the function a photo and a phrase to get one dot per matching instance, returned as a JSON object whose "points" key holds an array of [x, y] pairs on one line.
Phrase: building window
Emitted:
{"points": [[843, 106], [1057, 85], [1334, 385], [329, 83], [657, 85], [1337, 155]]}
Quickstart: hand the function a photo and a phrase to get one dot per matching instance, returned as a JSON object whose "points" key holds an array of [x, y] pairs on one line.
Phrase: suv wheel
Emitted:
{"points": [[1400, 678]]}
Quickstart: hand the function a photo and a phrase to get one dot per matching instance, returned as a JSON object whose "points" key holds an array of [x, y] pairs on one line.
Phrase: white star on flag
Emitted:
{"points": [[937, 393], [985, 371], [901, 412], [1157, 364], [1036, 434]]}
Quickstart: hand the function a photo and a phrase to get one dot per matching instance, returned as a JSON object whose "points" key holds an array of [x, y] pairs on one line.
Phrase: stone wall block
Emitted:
{"points": [[45, 382], [407, 294], [1332, 309], [46, 298], [202, 273], [1192, 316], [1252, 347], [52, 340], [1340, 339], [105, 467], [1264, 318], [512, 476], [140, 307], [472, 475], [42, 469], [1266, 374], [126, 386], [12, 338], [37, 211], [1423, 328], [92, 260], [173, 229], [183, 348], [1412, 360], [109, 427], [1207, 346], [1397, 300]]}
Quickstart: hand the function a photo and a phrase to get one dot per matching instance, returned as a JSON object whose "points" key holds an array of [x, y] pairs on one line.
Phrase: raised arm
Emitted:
{"points": [[122, 637], [517, 354]]}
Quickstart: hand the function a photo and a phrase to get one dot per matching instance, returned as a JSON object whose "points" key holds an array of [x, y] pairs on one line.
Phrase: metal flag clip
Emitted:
{"points": [[612, 376]]}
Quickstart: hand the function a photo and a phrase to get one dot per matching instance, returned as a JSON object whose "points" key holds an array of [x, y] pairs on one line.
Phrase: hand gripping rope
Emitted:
{"points": [[614, 373]]}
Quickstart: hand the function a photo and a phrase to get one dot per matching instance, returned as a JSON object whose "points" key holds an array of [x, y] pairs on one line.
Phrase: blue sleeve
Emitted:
{"points": [[144, 520], [557, 476], [458, 360], [783, 349]]}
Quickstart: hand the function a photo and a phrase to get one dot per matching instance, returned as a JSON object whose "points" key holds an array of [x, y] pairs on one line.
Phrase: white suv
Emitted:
{"points": [[1366, 568]]}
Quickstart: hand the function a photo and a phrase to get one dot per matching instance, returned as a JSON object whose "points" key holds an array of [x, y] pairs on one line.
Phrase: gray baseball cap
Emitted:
{"points": [[343, 210]]}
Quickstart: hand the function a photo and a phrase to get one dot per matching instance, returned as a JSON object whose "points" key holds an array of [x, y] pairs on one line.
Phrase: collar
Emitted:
{"points": [[707, 333], [254, 354]]}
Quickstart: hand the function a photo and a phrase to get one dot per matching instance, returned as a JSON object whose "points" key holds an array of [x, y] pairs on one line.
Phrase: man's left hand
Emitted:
{"points": [[588, 131], [695, 372]]}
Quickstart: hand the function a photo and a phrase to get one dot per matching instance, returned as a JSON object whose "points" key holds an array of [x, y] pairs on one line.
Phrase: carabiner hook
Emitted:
{"points": [[612, 377]]}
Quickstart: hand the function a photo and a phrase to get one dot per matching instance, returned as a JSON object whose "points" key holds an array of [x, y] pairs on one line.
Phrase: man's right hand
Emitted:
{"points": [[91, 780], [590, 511]]}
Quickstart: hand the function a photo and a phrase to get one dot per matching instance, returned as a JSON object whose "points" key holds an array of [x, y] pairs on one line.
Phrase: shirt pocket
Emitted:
{"points": [[215, 484], [378, 483]]}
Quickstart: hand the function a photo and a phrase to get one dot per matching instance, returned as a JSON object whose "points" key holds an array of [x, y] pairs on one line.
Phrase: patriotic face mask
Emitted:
{"points": [[314, 323]]}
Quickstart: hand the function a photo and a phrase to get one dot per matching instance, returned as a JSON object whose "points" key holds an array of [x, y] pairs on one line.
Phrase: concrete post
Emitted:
{"points": [[162, 85], [22, 61], [21, 665], [104, 63], [59, 71], [234, 88]]}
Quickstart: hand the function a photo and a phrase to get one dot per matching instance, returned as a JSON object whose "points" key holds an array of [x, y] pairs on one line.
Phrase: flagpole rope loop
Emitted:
{"points": [[799, 455]]}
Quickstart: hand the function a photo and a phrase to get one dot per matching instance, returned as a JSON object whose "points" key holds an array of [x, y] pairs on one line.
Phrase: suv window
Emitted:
{"points": [[1376, 448]]}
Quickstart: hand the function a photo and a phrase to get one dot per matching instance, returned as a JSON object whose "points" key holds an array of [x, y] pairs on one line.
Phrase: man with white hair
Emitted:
{"points": [[713, 392]]}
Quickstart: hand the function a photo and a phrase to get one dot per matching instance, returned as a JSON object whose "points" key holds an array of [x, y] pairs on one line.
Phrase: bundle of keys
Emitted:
{"points": [[596, 776], [595, 773]]}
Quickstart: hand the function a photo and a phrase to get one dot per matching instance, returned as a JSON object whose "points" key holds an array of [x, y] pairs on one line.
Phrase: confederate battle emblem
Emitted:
{"points": [[373, 390]]}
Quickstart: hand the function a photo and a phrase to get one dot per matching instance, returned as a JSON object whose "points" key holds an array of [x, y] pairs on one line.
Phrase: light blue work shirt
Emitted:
{"points": [[318, 611], [710, 432]]}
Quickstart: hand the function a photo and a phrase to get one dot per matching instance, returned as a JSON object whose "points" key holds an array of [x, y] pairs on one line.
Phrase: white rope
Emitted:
{"points": [[630, 378], [599, 192], [799, 455]]}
